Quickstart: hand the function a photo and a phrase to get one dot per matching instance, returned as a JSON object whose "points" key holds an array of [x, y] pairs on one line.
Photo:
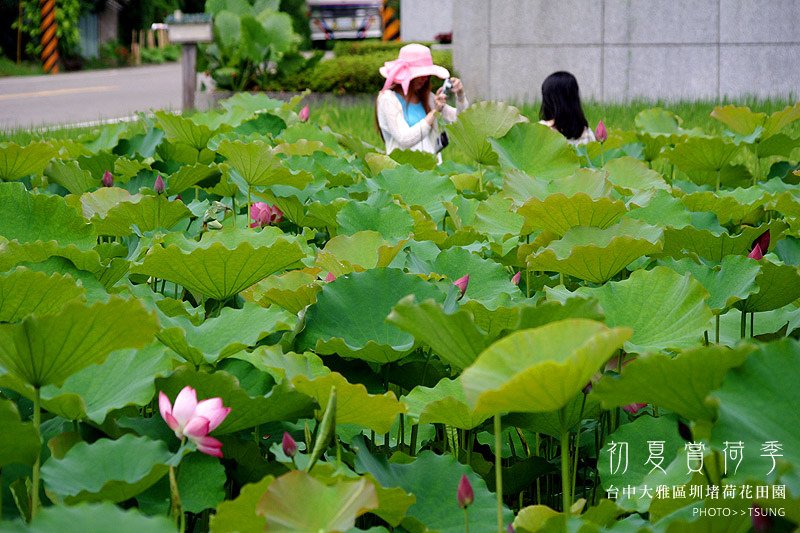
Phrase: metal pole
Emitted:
{"points": [[188, 62]]}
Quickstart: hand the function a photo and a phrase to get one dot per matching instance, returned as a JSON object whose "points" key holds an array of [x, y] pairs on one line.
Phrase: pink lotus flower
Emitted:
{"points": [[465, 495], [264, 214], [759, 519], [329, 277], [515, 279], [633, 408], [289, 445], [462, 283], [762, 241], [756, 253], [193, 420], [159, 186], [600, 132], [304, 113], [108, 179]]}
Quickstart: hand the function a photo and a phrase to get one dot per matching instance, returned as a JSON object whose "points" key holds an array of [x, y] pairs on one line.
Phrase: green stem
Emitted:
{"points": [[719, 179], [248, 206], [566, 497], [752, 316], [233, 208], [717, 329], [498, 469], [602, 156], [175, 497], [413, 444], [743, 324], [466, 519], [577, 446], [37, 422]]}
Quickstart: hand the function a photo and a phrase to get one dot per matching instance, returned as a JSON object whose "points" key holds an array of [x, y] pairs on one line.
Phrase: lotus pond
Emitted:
{"points": [[243, 321]]}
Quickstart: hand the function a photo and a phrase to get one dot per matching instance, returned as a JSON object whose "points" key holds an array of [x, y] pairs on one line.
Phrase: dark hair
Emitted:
{"points": [[561, 102], [423, 95]]}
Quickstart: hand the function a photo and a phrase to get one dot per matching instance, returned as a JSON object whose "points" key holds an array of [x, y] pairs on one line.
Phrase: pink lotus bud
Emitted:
{"points": [[600, 132], [194, 420], [756, 253], [462, 283], [633, 408], [304, 113], [759, 519], [465, 495], [515, 279], [289, 445], [108, 179], [762, 241], [329, 277], [159, 186]]}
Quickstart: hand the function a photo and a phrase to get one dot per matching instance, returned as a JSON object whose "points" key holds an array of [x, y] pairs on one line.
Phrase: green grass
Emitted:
{"points": [[8, 67]]}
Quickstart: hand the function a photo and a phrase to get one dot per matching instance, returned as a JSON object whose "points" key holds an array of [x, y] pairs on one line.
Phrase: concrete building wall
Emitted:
{"points": [[421, 20], [625, 49]]}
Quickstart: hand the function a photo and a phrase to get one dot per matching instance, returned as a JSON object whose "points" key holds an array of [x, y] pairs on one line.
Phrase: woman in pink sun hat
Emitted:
{"points": [[406, 110]]}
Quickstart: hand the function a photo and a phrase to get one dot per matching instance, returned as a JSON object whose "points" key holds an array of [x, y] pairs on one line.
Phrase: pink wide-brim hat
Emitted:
{"points": [[413, 61]]}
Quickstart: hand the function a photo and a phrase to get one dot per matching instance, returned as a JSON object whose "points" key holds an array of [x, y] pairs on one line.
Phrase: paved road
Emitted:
{"points": [[76, 97]]}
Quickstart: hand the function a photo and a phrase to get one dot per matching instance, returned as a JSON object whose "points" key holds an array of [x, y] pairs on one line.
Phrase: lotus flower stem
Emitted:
{"points": [[233, 208], [719, 179], [175, 498], [743, 325], [717, 329], [401, 433], [577, 446], [566, 496], [466, 519], [249, 203], [413, 444], [37, 422], [498, 469], [752, 316]]}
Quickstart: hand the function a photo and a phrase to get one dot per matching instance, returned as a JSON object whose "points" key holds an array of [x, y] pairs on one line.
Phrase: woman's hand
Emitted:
{"points": [[458, 87], [439, 100]]}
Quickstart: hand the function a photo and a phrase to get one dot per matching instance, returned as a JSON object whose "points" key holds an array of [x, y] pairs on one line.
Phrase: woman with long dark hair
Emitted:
{"points": [[561, 108]]}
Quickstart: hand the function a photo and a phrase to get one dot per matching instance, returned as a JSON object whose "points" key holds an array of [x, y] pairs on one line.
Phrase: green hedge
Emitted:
{"points": [[354, 48]]}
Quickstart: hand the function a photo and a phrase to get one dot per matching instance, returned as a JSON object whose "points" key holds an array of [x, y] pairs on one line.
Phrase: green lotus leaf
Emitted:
{"points": [[286, 503], [787, 203], [495, 216], [41, 217], [13, 253], [124, 378], [201, 481], [536, 150], [739, 120], [558, 213], [480, 122], [285, 366], [98, 163], [659, 122], [489, 283], [432, 479], [19, 441], [87, 517], [239, 515], [294, 290], [595, 254], [97, 203], [443, 404], [652, 145], [262, 124], [638, 472], [191, 175], [729, 282], [584, 180], [554, 423], [217, 338], [703, 154], [354, 405], [712, 245], [147, 213], [426, 189], [303, 147], [183, 130], [379, 214], [628, 175], [519, 186], [757, 405], [17, 161], [778, 285], [454, 337], [305, 131], [679, 383], [780, 119], [541, 369], [26, 292], [45, 350], [662, 209], [258, 165], [728, 206], [357, 252], [94, 472], [414, 158], [71, 176], [223, 264], [664, 309], [349, 316]]}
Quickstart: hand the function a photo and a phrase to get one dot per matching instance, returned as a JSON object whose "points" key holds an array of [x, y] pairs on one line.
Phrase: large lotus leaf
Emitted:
{"points": [[664, 309], [728, 206], [662, 209], [739, 120], [97, 164], [495, 216], [19, 441], [26, 292], [289, 498], [377, 213], [595, 254], [541, 369], [478, 123], [201, 482], [357, 252], [679, 383], [303, 147], [191, 175], [519, 186], [426, 189], [354, 405], [125, 169], [628, 174], [97, 203], [294, 290], [712, 245], [585, 180], [222, 265], [729, 282], [414, 158], [280, 403], [112, 470], [239, 515], [71, 176], [44, 350], [285, 366], [780, 119], [536, 150], [42, 217], [89, 517], [554, 423], [489, 283], [147, 213], [217, 338], [660, 122], [778, 145], [757, 405], [13, 253], [17, 161], [183, 130], [258, 165], [125, 378], [703, 154], [349, 317], [558, 213], [433, 480], [778, 285], [631, 466], [454, 337], [445, 403]]}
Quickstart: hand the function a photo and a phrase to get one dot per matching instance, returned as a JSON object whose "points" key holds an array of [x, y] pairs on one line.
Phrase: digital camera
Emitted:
{"points": [[447, 86]]}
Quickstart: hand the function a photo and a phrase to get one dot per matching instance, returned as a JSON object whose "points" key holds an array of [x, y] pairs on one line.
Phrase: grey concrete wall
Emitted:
{"points": [[420, 20], [625, 49]]}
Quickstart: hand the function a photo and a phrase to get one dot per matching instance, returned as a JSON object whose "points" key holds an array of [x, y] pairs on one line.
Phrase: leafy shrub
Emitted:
{"points": [[372, 46], [160, 55]]}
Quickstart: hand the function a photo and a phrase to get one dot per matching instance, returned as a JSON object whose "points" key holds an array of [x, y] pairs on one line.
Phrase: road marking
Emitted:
{"points": [[59, 92]]}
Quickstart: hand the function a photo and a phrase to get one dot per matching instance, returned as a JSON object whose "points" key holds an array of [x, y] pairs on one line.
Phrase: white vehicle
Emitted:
{"points": [[345, 19]]}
